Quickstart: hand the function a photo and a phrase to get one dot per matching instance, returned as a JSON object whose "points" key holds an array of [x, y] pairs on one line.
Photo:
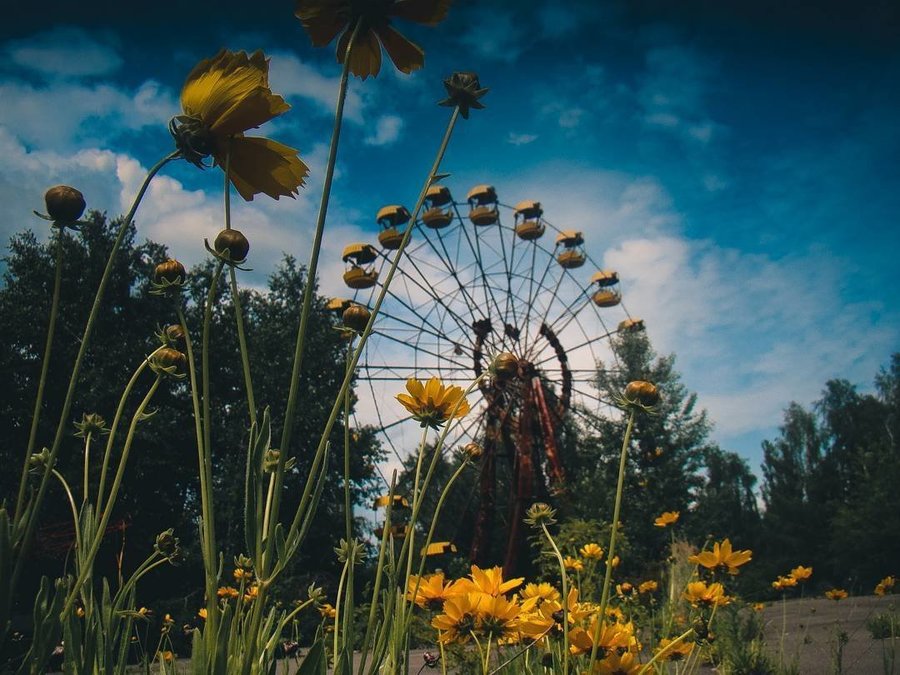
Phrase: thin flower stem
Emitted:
{"points": [[25, 541], [120, 410], [87, 464], [604, 596], [242, 342], [317, 459], [113, 493], [45, 366], [348, 507], [65, 485], [337, 609], [565, 599]]}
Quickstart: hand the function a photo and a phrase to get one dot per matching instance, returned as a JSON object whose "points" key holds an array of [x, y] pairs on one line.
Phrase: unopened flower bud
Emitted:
{"points": [[356, 317], [91, 423], [473, 450], [64, 204], [169, 361], [643, 393], [505, 366], [169, 276], [243, 562], [233, 245], [175, 335], [166, 542]]}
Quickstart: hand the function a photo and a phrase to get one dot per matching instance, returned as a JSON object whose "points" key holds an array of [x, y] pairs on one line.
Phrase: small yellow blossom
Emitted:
{"points": [[801, 573], [202, 613], [759, 606], [648, 587], [591, 552], [674, 650], [241, 574], [722, 556], [784, 583], [166, 655], [433, 404], [573, 564], [885, 586], [699, 593], [667, 518], [836, 594], [227, 592], [432, 590], [327, 611]]}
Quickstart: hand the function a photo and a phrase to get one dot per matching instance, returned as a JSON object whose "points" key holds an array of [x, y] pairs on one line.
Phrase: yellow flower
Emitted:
{"points": [[166, 655], [241, 574], [227, 592], [251, 593], [612, 637], [836, 594], [432, 590], [667, 518], [722, 556], [324, 19], [784, 583], [624, 588], [591, 552], [885, 586], [618, 664], [327, 611], [202, 613], [460, 617], [542, 591], [432, 403], [759, 606], [488, 582], [614, 563], [699, 593], [497, 616], [221, 99], [648, 587], [674, 650], [801, 573], [573, 564]]}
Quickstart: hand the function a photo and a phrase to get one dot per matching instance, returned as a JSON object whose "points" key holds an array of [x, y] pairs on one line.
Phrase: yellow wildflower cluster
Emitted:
{"points": [[798, 575]]}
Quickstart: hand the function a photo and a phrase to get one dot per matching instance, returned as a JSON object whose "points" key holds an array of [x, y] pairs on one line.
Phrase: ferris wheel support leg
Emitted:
{"points": [[478, 553]]}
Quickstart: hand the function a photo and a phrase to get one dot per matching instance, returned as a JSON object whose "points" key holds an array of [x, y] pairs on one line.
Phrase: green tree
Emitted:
{"points": [[160, 488], [667, 450], [726, 501]]}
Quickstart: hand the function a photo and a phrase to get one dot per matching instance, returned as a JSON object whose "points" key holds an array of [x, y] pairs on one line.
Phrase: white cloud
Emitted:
{"points": [[292, 77], [520, 139], [64, 52], [494, 34], [387, 131]]}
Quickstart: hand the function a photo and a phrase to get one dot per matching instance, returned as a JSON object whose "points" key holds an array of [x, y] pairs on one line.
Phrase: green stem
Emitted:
{"points": [[329, 425], [45, 366], [242, 342], [120, 409], [565, 599], [113, 493], [24, 542], [87, 463], [663, 652], [65, 485], [604, 596], [337, 609], [348, 507]]}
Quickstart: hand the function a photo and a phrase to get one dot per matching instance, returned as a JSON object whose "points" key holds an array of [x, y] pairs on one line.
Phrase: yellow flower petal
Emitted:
{"points": [[263, 165], [406, 55]]}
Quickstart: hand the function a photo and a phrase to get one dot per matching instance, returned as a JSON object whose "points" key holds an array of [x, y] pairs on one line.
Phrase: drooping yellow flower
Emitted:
{"points": [[573, 564], [327, 611], [674, 650], [698, 593], [886, 585], [836, 594], [784, 583], [432, 591], [667, 518], [591, 551], [432, 403], [459, 618], [488, 582], [227, 592], [722, 556], [324, 19], [801, 573], [221, 99]]}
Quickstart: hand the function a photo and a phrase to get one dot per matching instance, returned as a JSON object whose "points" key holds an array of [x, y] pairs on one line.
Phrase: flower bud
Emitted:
{"points": [[539, 514], [169, 273], [64, 204], [170, 361], [91, 423], [233, 245], [505, 366], [473, 451], [643, 393], [166, 542], [356, 317], [175, 335]]}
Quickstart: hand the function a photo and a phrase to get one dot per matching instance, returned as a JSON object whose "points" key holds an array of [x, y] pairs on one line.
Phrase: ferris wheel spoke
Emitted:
{"points": [[422, 349], [508, 263], [580, 345], [381, 423], [452, 269]]}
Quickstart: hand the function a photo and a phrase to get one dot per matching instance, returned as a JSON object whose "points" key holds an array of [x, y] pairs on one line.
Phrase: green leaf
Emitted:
{"points": [[315, 663]]}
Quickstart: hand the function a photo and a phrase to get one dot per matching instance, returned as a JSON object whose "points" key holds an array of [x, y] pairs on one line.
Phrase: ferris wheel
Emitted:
{"points": [[480, 277]]}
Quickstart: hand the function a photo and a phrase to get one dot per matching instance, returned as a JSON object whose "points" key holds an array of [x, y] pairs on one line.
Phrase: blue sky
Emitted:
{"points": [[735, 162]]}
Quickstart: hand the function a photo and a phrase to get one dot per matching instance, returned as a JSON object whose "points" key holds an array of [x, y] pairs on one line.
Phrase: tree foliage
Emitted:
{"points": [[160, 488]]}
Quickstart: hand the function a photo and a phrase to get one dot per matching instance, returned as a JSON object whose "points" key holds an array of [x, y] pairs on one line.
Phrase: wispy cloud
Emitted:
{"points": [[520, 139], [64, 52], [387, 130]]}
